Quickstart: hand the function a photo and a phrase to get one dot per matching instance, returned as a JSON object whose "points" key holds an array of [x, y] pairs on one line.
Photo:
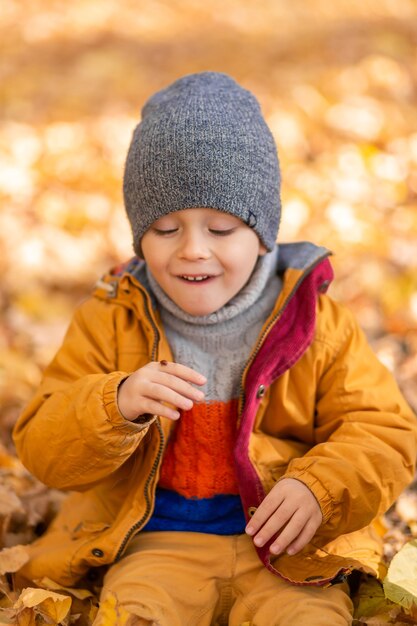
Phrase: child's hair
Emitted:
{"points": [[203, 142]]}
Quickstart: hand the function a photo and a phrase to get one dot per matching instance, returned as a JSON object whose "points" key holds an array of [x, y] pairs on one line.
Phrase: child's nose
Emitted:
{"points": [[194, 246]]}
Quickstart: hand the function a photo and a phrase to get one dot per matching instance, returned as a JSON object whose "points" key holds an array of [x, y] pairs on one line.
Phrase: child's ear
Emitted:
{"points": [[262, 249]]}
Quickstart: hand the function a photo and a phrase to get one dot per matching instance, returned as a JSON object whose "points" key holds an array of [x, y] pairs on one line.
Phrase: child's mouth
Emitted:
{"points": [[203, 278]]}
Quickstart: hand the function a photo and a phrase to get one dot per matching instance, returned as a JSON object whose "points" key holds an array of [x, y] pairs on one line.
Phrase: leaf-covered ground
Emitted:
{"points": [[338, 86]]}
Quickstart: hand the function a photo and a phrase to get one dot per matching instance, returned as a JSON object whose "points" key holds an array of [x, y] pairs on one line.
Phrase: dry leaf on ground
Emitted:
{"points": [[400, 584], [12, 559], [39, 606]]}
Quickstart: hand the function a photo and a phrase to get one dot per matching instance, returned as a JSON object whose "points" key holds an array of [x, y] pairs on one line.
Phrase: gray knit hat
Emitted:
{"points": [[203, 142]]}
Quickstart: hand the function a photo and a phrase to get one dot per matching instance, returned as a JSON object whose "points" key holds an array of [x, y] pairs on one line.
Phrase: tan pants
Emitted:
{"points": [[193, 579]]}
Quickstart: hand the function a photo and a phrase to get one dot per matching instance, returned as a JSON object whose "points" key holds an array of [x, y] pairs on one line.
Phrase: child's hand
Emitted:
{"points": [[290, 507], [149, 389]]}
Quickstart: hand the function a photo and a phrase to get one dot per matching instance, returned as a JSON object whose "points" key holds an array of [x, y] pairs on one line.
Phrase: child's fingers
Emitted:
{"points": [[303, 538], [178, 385], [153, 407], [267, 508], [160, 382], [274, 524], [292, 532], [162, 393], [182, 371]]}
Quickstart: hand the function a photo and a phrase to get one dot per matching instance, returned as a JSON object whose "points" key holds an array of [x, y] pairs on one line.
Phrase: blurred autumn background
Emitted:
{"points": [[337, 82]]}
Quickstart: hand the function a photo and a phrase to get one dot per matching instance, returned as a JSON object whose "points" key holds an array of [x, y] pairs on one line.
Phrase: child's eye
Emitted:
{"points": [[162, 232], [222, 233]]}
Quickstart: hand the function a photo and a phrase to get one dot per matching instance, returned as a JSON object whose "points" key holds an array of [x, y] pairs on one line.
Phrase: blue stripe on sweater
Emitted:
{"points": [[220, 515]]}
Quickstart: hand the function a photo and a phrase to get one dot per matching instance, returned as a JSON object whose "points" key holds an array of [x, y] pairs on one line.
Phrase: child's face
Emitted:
{"points": [[201, 257]]}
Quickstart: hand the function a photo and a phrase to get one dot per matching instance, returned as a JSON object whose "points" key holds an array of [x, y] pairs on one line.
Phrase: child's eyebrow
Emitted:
{"points": [[166, 219]]}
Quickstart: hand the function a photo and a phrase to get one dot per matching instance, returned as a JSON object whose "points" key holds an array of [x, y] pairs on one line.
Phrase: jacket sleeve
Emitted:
{"points": [[72, 434], [365, 433]]}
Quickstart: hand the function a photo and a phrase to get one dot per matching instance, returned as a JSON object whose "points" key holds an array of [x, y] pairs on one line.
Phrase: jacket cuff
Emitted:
{"points": [[111, 407], [323, 497]]}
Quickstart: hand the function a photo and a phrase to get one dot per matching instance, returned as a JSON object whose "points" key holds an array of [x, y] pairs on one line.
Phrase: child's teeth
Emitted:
{"points": [[194, 278]]}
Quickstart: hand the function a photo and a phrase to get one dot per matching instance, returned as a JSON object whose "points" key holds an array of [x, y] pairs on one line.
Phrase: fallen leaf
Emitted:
{"points": [[406, 508], [47, 583], [111, 613], [43, 603], [7, 596], [12, 559], [400, 583], [370, 601]]}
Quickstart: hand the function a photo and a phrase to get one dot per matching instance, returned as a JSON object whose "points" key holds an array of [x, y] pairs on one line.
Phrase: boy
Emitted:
{"points": [[227, 431]]}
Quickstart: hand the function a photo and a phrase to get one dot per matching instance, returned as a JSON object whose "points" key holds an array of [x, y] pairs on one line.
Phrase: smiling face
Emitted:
{"points": [[201, 257]]}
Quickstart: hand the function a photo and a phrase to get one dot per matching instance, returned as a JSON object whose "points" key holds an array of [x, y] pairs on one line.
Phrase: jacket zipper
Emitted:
{"points": [[261, 339], [157, 459]]}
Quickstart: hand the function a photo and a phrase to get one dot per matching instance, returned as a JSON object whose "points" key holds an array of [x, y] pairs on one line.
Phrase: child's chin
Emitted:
{"points": [[199, 310]]}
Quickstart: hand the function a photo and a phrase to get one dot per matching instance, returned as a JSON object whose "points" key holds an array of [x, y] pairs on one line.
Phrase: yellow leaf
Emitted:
{"points": [[53, 606], [400, 584], [48, 583], [12, 559], [370, 601], [25, 617], [92, 613], [112, 613]]}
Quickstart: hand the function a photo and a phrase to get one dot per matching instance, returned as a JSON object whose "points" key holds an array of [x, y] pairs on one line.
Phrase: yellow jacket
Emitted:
{"points": [[316, 405]]}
